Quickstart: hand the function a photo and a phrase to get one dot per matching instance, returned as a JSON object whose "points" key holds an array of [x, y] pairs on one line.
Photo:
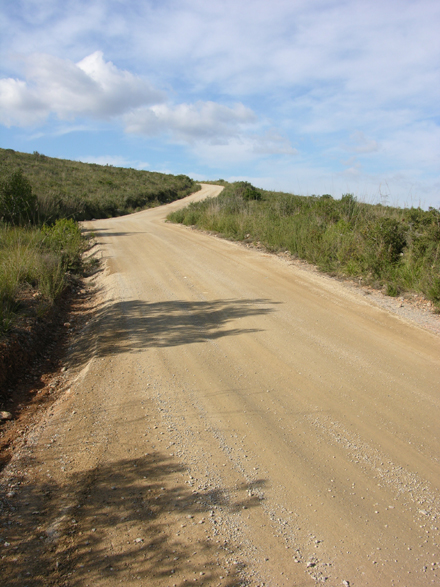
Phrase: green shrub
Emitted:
{"points": [[391, 247], [384, 244], [18, 205], [51, 273], [246, 190], [392, 290], [433, 289], [64, 239]]}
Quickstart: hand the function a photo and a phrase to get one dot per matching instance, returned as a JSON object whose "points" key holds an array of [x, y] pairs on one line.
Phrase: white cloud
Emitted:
{"points": [[19, 105], [237, 150], [242, 149], [379, 50], [187, 123], [90, 88], [96, 89], [215, 133], [362, 144], [272, 143]]}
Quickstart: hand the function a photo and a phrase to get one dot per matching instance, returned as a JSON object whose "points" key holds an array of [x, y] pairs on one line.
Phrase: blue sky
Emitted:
{"points": [[306, 96]]}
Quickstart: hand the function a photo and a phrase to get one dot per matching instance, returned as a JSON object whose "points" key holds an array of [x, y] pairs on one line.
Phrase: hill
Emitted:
{"points": [[82, 191]]}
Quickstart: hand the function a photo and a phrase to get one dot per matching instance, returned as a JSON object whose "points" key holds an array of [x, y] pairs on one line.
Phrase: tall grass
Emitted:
{"points": [[396, 249], [34, 263]]}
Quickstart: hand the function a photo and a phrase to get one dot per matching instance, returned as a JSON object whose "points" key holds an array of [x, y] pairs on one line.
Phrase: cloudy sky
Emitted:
{"points": [[306, 96]]}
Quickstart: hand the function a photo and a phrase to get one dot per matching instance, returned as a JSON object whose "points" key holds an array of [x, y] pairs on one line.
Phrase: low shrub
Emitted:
{"points": [[398, 249], [18, 204], [246, 190], [64, 239]]}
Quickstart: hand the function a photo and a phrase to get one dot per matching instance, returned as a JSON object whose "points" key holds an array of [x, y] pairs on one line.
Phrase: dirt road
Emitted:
{"points": [[229, 419]]}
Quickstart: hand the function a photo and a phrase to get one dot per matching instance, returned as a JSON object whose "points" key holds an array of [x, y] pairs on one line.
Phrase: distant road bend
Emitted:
{"points": [[233, 416]]}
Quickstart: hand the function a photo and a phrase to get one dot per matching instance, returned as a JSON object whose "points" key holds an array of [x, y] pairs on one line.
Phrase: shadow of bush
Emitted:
{"points": [[132, 326], [62, 534]]}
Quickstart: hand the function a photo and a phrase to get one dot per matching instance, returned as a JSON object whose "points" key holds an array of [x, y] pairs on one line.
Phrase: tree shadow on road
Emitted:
{"points": [[135, 325], [100, 232], [131, 521]]}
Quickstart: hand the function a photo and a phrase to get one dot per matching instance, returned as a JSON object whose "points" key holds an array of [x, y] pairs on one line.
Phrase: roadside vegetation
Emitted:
{"points": [[395, 249], [41, 201], [82, 191], [35, 265]]}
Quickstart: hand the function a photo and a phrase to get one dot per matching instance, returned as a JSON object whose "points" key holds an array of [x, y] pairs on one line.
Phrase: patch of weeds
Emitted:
{"points": [[6, 319], [392, 290], [434, 290], [91, 265]]}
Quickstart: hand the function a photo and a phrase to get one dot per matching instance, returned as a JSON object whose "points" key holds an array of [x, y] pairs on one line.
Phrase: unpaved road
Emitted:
{"points": [[229, 419]]}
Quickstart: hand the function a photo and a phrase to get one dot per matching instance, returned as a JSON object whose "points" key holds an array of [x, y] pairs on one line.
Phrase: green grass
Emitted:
{"points": [[82, 191], [34, 265], [390, 248]]}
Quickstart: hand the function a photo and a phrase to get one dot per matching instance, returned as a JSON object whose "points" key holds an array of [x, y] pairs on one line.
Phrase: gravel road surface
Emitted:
{"points": [[229, 419]]}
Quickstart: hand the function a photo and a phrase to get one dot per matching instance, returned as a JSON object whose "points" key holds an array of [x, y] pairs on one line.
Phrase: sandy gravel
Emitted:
{"points": [[230, 418]]}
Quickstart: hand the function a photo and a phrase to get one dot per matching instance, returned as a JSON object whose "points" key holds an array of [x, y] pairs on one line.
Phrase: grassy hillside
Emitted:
{"points": [[82, 191], [396, 249], [41, 200]]}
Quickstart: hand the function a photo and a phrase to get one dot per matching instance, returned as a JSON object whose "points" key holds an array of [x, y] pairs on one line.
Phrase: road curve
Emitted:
{"points": [[234, 417]]}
